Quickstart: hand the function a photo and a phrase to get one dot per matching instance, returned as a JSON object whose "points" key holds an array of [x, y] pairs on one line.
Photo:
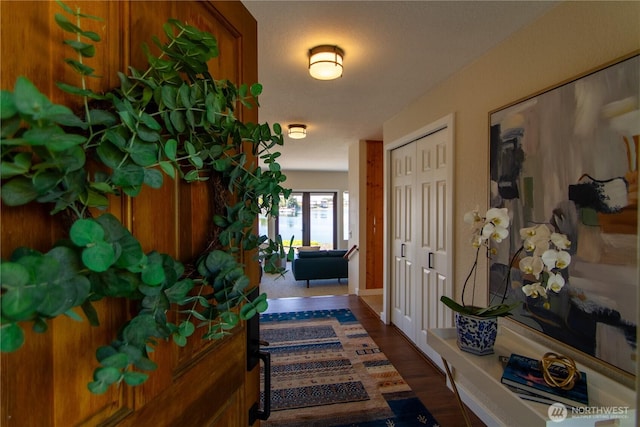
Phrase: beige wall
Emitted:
{"points": [[572, 38]]}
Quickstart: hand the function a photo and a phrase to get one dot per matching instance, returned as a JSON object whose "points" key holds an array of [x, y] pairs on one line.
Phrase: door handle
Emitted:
{"points": [[402, 246], [255, 413], [430, 260]]}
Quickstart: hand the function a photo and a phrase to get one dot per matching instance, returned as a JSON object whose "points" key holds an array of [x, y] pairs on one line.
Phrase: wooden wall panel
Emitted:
{"points": [[374, 196], [44, 383]]}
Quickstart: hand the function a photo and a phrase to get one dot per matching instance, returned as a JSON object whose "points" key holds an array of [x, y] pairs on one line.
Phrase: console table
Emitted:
{"points": [[476, 381]]}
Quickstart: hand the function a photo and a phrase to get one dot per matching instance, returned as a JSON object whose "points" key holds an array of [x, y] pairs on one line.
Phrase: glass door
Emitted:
{"points": [[310, 218]]}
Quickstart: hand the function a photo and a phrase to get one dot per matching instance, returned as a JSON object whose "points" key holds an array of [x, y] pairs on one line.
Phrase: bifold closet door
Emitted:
{"points": [[420, 221]]}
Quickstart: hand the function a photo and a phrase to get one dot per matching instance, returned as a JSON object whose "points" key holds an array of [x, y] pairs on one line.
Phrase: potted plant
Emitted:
{"points": [[542, 260]]}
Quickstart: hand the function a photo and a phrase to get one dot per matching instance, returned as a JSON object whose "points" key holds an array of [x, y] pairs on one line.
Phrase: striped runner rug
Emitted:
{"points": [[327, 371]]}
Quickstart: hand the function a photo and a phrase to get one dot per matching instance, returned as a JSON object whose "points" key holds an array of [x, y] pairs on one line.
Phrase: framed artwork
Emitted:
{"points": [[568, 158]]}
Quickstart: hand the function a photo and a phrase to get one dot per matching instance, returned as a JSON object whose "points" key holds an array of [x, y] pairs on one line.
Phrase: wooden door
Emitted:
{"points": [[44, 383], [403, 225]]}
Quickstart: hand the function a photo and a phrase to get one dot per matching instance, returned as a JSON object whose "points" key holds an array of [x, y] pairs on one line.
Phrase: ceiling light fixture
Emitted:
{"points": [[297, 131], [325, 62]]}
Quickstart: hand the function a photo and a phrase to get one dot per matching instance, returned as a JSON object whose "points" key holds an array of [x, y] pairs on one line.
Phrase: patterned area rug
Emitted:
{"points": [[327, 371]]}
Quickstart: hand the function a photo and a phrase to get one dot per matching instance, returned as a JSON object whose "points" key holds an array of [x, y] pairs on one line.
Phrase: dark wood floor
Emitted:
{"points": [[427, 381]]}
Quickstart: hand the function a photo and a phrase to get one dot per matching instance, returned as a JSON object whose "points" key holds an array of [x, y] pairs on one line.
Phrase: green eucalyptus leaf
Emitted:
{"points": [[84, 232], [153, 178], [91, 35], [128, 119], [186, 328], [85, 49], [128, 176], [179, 340], [11, 337], [247, 311], [39, 326], [261, 306], [183, 96], [169, 94], [65, 24], [177, 120], [101, 117], [153, 274], [150, 122], [75, 90], [7, 106], [18, 191], [133, 378], [196, 161], [107, 374], [256, 89], [13, 275], [91, 313], [168, 168], [179, 290], [170, 149], [20, 303], [110, 154], [146, 134], [98, 387], [17, 167], [116, 360], [98, 257], [8, 128], [53, 137], [143, 153], [104, 352], [27, 98], [79, 67], [145, 364]]}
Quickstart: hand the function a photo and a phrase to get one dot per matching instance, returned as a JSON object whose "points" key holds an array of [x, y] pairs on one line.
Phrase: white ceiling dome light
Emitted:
{"points": [[297, 131], [325, 62]]}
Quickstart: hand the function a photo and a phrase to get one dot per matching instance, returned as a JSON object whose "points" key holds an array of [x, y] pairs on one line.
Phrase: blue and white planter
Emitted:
{"points": [[476, 335]]}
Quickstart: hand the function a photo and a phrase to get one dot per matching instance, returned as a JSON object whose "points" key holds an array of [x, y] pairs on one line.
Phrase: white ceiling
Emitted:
{"points": [[395, 51]]}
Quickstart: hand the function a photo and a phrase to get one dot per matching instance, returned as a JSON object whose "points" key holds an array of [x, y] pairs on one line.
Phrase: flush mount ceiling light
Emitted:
{"points": [[325, 62], [297, 131]]}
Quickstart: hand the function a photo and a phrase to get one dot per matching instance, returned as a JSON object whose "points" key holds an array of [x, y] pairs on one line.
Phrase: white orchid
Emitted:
{"points": [[555, 282], [547, 256], [531, 265], [534, 290], [494, 225]]}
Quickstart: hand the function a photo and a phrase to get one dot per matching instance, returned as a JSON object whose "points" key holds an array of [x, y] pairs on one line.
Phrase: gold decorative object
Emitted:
{"points": [[554, 380]]}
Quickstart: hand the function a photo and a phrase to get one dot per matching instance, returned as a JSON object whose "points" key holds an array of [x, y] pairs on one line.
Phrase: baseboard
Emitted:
{"points": [[361, 292]]}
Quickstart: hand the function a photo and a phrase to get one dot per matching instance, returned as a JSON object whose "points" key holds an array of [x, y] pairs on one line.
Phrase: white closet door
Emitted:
{"points": [[432, 243], [402, 230], [421, 209]]}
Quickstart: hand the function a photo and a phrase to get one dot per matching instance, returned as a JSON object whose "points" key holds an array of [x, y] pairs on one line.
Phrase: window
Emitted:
{"points": [[310, 218]]}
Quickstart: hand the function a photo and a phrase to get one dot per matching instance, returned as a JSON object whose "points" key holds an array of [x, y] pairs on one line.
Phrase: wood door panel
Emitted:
{"points": [[45, 382]]}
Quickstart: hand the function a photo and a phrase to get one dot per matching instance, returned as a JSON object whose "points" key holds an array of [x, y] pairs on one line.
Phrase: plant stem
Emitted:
{"points": [[474, 267]]}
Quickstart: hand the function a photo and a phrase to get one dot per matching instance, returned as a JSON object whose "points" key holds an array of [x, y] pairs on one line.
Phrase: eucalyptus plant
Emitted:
{"points": [[173, 118]]}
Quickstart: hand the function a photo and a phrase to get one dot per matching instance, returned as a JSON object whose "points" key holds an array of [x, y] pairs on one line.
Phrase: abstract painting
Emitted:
{"points": [[568, 157]]}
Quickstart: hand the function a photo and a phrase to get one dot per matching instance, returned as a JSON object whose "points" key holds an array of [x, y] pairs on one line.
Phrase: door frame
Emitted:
{"points": [[445, 122]]}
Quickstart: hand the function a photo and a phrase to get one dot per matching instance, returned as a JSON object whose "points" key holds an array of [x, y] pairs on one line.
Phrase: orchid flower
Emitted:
{"points": [[560, 241], [534, 290], [531, 265], [556, 259], [555, 282]]}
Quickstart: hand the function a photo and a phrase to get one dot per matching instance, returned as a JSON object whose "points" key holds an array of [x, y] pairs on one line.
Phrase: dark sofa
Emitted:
{"points": [[311, 265]]}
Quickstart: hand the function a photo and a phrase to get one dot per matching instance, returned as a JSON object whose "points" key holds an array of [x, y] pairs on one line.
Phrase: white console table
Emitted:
{"points": [[477, 380]]}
